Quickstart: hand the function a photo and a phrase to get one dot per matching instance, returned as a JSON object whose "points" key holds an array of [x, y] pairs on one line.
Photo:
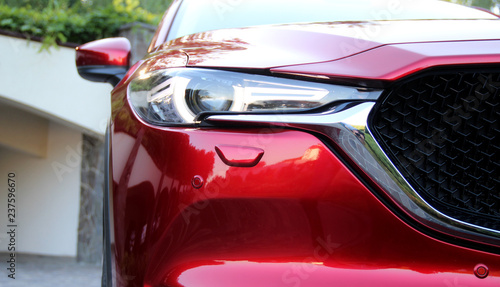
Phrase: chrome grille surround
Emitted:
{"points": [[441, 130]]}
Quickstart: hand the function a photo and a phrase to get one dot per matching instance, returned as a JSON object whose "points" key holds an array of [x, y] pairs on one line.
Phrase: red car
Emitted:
{"points": [[304, 143]]}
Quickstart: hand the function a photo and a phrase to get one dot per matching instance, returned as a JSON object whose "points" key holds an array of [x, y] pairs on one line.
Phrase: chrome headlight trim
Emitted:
{"points": [[348, 128], [176, 96]]}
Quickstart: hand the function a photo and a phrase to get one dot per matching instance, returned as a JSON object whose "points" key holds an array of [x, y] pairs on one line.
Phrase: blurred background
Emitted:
{"points": [[52, 124]]}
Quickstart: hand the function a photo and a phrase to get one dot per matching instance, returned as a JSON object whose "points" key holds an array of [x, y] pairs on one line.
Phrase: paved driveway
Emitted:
{"points": [[46, 271]]}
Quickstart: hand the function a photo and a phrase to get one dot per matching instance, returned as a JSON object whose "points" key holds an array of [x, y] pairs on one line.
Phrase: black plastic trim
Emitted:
{"points": [[442, 207], [106, 280], [103, 74]]}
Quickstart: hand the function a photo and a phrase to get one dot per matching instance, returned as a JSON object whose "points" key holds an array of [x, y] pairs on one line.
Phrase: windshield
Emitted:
{"points": [[196, 16]]}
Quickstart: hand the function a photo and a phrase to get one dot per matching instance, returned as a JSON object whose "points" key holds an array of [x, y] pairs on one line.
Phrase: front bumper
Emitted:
{"points": [[299, 217]]}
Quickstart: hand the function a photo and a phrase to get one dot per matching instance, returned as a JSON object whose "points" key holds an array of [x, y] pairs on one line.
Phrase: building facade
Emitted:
{"points": [[52, 125]]}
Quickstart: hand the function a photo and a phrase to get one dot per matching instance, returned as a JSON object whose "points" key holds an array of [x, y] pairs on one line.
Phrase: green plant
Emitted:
{"points": [[487, 4], [54, 24]]}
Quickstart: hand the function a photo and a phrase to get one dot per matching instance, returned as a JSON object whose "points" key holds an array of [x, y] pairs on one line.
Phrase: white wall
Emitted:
{"points": [[45, 108], [48, 82], [23, 131], [48, 194]]}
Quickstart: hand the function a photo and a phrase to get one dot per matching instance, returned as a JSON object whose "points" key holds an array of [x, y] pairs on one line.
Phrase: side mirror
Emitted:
{"points": [[106, 60]]}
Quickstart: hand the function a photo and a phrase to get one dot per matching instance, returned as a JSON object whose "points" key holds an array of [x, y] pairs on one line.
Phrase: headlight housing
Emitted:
{"points": [[177, 96]]}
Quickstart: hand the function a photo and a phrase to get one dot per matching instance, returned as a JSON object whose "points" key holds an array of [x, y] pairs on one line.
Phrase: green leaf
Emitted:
{"points": [[61, 37], [6, 22], [78, 24], [25, 28]]}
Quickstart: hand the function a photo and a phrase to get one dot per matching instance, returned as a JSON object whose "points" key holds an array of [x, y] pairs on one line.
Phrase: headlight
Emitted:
{"points": [[176, 96]]}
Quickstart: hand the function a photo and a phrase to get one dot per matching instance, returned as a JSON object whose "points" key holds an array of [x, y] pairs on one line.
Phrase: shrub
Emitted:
{"points": [[57, 25]]}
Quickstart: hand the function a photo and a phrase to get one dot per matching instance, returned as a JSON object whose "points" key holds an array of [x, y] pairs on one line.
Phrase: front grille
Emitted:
{"points": [[441, 130]]}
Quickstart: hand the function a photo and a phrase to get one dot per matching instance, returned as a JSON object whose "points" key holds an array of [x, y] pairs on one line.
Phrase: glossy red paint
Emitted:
{"points": [[309, 221], [286, 45], [186, 209], [262, 47], [105, 52], [169, 59], [392, 62]]}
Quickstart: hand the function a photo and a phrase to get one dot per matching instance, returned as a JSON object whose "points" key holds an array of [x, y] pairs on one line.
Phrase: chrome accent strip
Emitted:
{"points": [[348, 128]]}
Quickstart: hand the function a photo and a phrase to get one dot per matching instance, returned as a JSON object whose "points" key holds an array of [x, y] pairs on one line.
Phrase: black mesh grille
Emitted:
{"points": [[442, 132]]}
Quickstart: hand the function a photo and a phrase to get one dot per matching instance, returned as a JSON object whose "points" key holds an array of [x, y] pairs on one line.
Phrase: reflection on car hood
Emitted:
{"points": [[293, 44]]}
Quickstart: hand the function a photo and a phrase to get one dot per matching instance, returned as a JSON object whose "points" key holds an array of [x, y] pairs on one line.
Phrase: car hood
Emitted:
{"points": [[265, 47]]}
